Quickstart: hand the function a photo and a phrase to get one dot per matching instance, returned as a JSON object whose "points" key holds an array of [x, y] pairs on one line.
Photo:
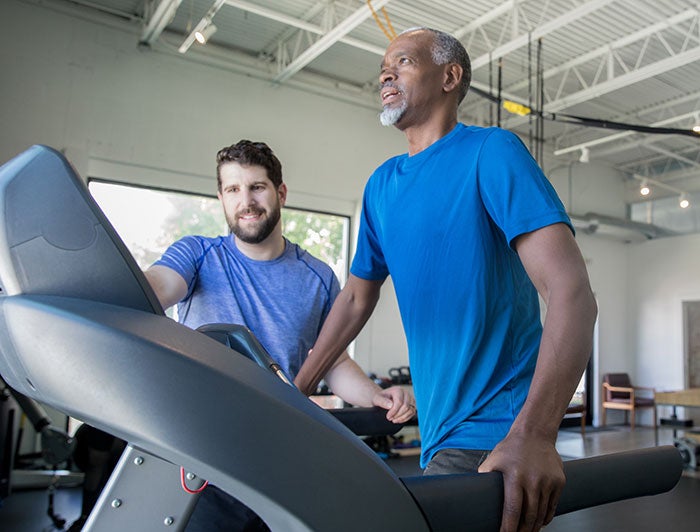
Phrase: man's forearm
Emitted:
{"points": [[337, 333], [350, 312], [347, 380]]}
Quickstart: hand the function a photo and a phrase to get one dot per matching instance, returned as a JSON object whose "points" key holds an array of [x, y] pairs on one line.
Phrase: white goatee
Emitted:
{"points": [[390, 115]]}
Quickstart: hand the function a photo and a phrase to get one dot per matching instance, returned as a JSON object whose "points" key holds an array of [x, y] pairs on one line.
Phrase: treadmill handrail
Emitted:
{"points": [[477, 498]]}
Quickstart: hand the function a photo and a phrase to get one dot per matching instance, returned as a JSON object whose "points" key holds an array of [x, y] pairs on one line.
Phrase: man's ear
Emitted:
{"points": [[282, 191], [452, 77]]}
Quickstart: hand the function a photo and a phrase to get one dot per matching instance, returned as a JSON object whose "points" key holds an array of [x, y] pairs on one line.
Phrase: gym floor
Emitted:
{"points": [[677, 511]]}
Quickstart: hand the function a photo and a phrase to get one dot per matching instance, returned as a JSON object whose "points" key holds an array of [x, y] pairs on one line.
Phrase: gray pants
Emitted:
{"points": [[451, 461]]}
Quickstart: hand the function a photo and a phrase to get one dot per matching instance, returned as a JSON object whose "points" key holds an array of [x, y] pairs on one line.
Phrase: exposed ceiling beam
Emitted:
{"points": [[300, 24], [484, 19], [642, 144], [606, 49], [159, 19], [670, 154], [102, 8], [546, 28], [654, 182], [629, 78], [660, 108], [328, 40], [646, 157], [242, 63], [272, 14], [615, 83], [618, 136], [686, 178]]}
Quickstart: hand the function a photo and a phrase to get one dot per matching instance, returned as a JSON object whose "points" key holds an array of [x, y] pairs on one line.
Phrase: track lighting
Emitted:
{"points": [[647, 183], [644, 189], [203, 36], [204, 29]]}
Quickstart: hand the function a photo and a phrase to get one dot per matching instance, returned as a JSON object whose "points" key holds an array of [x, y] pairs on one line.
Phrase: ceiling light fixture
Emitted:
{"points": [[696, 128], [585, 155], [202, 31], [644, 189], [647, 183], [203, 36]]}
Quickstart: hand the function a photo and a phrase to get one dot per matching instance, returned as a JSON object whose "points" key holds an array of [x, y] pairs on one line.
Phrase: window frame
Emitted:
{"points": [[347, 226]]}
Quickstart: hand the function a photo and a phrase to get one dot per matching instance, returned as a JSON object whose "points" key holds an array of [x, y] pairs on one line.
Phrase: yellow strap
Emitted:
{"points": [[390, 33]]}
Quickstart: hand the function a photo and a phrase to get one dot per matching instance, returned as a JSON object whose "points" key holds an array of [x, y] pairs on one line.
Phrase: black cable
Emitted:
{"points": [[609, 124], [595, 122], [490, 93], [529, 87], [500, 87], [540, 107]]}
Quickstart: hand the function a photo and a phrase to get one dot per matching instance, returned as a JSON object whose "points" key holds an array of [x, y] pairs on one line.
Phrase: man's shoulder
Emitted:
{"points": [[477, 139], [200, 241], [390, 163], [191, 248], [480, 133], [296, 253]]}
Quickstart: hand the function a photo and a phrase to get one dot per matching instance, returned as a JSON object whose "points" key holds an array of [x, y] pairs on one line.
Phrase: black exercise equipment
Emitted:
{"points": [[240, 339], [9, 412], [400, 375], [56, 446], [689, 447], [81, 330]]}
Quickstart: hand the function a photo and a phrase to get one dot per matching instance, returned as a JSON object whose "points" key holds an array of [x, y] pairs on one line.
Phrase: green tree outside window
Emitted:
{"points": [[149, 220]]}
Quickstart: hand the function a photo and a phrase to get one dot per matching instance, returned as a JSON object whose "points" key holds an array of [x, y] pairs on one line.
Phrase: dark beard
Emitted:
{"points": [[258, 233]]}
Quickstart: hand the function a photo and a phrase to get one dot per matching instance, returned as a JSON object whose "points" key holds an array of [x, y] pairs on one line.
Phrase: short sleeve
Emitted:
{"points": [[515, 192], [369, 262], [184, 257]]}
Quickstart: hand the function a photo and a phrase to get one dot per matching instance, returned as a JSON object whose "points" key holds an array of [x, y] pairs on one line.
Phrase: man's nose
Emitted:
{"points": [[387, 74], [247, 198]]}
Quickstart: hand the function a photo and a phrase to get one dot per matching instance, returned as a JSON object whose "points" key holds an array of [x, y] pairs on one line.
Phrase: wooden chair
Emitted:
{"points": [[620, 394], [577, 407]]}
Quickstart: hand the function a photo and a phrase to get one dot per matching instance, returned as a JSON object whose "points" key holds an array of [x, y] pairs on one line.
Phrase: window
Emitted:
{"points": [[666, 214], [149, 220], [323, 235]]}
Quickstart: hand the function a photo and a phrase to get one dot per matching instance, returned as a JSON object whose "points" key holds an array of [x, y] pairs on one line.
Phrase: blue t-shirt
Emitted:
{"points": [[284, 301], [442, 224]]}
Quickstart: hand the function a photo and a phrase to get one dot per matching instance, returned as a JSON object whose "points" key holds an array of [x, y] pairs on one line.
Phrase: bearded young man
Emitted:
{"points": [[257, 278], [470, 231]]}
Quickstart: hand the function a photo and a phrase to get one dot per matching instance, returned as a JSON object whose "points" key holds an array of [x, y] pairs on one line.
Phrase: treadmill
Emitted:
{"points": [[81, 330]]}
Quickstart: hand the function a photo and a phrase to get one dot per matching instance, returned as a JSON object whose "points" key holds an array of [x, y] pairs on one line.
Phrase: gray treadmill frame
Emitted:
{"points": [[76, 309], [81, 330]]}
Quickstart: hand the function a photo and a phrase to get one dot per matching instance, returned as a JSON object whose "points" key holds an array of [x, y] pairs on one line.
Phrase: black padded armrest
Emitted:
{"points": [[366, 421]]}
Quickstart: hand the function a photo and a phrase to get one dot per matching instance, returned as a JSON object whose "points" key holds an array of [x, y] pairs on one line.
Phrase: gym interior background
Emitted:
{"points": [[124, 105]]}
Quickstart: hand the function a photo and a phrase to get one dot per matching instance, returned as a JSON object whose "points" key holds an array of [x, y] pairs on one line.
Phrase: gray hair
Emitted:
{"points": [[447, 49]]}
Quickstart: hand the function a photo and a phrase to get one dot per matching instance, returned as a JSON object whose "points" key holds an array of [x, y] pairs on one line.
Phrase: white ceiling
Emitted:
{"points": [[627, 61]]}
